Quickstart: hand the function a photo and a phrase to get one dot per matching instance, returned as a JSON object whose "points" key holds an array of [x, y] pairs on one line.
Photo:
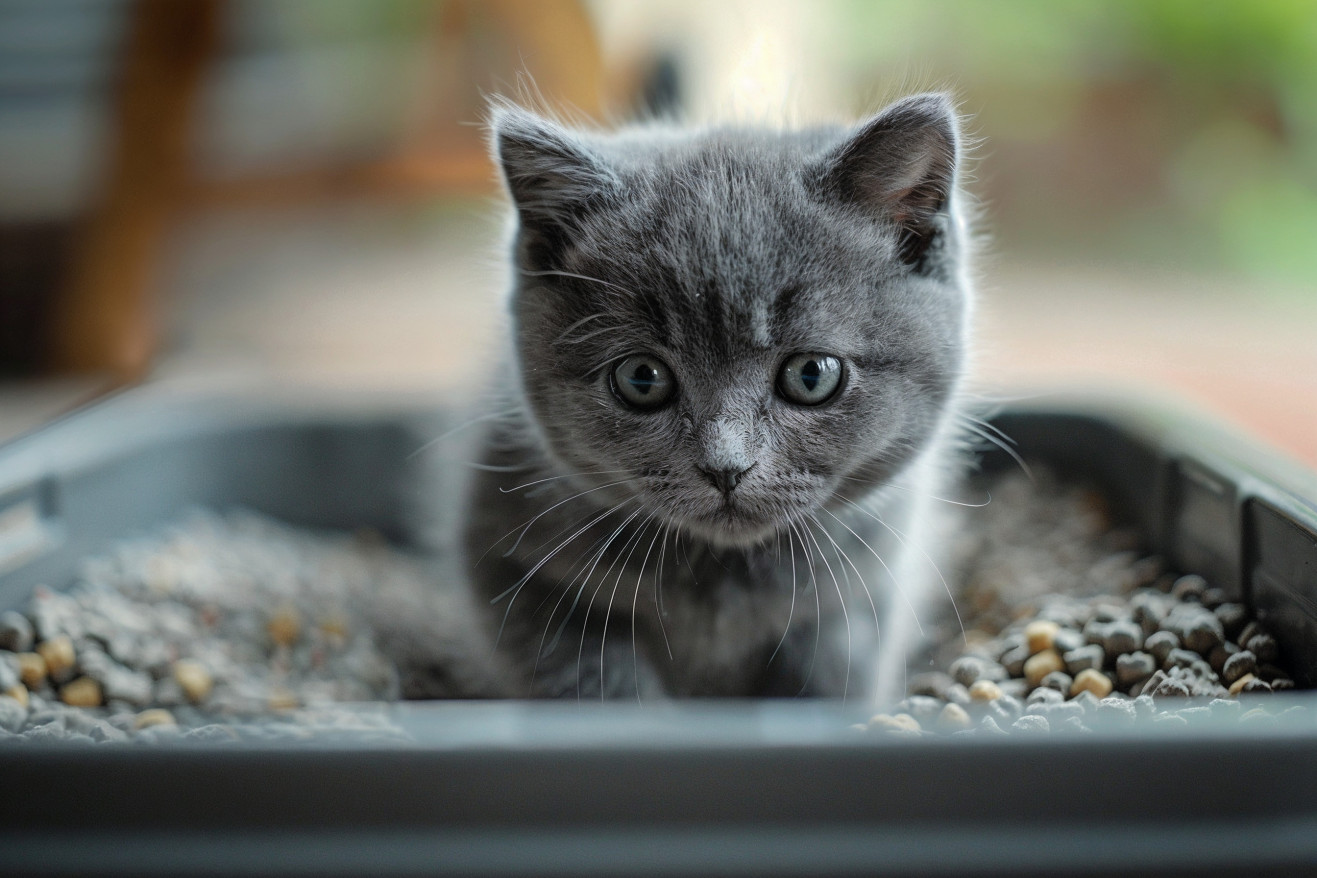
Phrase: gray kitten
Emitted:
{"points": [[739, 352]]}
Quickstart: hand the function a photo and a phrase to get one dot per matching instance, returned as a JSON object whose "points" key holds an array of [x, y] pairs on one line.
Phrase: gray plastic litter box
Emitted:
{"points": [[750, 788]]}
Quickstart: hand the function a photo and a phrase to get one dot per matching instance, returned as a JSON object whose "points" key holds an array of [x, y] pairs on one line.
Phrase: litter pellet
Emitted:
{"points": [[12, 714], [966, 669], [953, 718], [31, 669], [1134, 641], [82, 692], [1083, 658], [1189, 588], [890, 722], [1031, 724], [1121, 637], [19, 693], [1045, 695], [1257, 716], [1058, 680], [16, 633], [1041, 664], [1239, 664], [193, 678], [154, 717], [1160, 644], [1264, 647], [1092, 681], [59, 656], [285, 626], [1133, 668], [1040, 635]]}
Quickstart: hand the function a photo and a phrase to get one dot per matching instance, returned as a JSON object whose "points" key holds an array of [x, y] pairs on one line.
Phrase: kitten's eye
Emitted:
{"points": [[643, 382], [809, 379]]}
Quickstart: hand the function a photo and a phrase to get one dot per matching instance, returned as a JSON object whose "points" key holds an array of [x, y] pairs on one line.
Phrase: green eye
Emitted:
{"points": [[643, 382], [809, 379]]}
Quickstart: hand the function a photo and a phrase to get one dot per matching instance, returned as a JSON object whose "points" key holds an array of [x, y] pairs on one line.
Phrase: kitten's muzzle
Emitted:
{"points": [[725, 479]]}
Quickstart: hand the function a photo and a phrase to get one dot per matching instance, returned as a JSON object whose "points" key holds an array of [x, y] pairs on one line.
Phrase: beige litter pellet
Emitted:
{"points": [[18, 693], [953, 718], [1040, 634], [1091, 680], [31, 669], [282, 700], [901, 722], [82, 692], [1040, 665], [58, 654], [156, 716], [285, 626], [984, 690], [193, 678]]}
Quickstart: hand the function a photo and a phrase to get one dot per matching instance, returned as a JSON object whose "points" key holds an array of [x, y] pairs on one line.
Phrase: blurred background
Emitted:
{"points": [[242, 192]]}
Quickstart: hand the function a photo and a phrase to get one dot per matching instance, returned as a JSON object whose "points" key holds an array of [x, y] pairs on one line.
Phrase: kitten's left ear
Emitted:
{"points": [[901, 166]]}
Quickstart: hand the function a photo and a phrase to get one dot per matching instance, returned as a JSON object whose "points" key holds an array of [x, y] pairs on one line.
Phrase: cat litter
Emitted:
{"points": [[239, 628], [1068, 627], [221, 629]]}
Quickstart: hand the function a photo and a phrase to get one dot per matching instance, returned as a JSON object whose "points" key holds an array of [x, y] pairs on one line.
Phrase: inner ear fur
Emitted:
{"points": [[551, 174], [899, 166]]}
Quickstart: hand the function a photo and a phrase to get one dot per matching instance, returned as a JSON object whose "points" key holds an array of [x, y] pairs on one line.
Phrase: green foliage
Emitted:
{"points": [[1230, 85]]}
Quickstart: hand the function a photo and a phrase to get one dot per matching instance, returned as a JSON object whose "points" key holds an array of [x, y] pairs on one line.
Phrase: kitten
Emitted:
{"points": [[737, 354]]}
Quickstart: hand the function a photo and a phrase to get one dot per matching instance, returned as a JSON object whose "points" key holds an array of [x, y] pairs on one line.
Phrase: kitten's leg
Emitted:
{"points": [[588, 667], [923, 591], [810, 663]]}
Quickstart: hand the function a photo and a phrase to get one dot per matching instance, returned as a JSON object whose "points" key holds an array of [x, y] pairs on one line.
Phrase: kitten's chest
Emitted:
{"points": [[726, 618]]}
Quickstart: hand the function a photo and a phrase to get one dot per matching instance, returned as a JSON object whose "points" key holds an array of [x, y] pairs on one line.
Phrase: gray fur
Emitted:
{"points": [[612, 557]]}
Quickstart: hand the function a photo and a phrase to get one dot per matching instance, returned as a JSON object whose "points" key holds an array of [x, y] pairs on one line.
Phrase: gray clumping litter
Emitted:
{"points": [[1068, 627], [237, 628]]}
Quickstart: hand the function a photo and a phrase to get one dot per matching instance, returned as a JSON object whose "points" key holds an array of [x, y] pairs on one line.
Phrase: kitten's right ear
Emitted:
{"points": [[551, 174]]}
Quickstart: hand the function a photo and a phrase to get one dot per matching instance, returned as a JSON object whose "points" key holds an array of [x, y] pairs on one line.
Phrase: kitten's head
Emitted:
{"points": [[738, 325]]}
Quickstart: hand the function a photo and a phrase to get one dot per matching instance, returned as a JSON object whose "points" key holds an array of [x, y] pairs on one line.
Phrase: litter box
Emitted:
{"points": [[762, 788]]}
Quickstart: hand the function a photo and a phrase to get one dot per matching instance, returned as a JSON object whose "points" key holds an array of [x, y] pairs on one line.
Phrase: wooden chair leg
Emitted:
{"points": [[105, 320]]}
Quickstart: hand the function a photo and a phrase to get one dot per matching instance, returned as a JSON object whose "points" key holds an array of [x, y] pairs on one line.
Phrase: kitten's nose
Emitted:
{"points": [[726, 480]]}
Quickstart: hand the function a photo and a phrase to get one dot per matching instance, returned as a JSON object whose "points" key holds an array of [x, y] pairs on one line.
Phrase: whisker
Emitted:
{"points": [[490, 416], [658, 587], [863, 585], [963, 503], [1004, 446], [588, 336], [493, 468], [549, 272], [634, 543], [900, 589], [562, 591], [585, 580], [527, 526], [945, 587], [601, 472], [580, 652], [818, 607], [635, 653], [846, 617], [515, 590], [791, 611], [988, 425], [577, 325]]}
